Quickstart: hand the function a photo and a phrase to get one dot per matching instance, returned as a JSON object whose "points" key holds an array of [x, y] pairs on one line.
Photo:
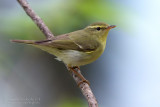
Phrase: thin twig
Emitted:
{"points": [[85, 88], [39, 22]]}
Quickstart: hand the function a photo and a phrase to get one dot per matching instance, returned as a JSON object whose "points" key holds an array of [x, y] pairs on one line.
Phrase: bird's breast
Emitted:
{"points": [[78, 58]]}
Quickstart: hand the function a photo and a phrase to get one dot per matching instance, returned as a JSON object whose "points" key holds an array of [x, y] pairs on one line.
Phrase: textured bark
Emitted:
{"points": [[85, 88]]}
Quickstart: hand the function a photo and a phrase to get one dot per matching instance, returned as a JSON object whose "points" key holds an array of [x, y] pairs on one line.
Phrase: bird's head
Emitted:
{"points": [[99, 29]]}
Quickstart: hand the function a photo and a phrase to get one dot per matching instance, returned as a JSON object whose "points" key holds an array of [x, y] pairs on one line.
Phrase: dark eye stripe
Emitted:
{"points": [[98, 28]]}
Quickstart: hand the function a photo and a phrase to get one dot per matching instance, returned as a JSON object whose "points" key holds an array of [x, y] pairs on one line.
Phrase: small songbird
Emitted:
{"points": [[76, 48]]}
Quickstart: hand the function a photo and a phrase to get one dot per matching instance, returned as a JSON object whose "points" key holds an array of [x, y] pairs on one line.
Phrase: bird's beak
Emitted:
{"points": [[111, 26]]}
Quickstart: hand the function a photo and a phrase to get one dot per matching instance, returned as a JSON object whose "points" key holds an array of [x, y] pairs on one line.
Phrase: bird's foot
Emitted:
{"points": [[79, 75]]}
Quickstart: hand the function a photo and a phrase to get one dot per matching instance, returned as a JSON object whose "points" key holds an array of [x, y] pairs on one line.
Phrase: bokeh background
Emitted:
{"points": [[126, 75]]}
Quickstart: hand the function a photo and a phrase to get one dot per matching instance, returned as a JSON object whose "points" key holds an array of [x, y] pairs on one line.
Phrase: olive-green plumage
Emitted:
{"points": [[76, 48]]}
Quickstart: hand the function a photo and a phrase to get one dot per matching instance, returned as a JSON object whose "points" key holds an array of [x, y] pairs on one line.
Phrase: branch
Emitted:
{"points": [[36, 19], [85, 88]]}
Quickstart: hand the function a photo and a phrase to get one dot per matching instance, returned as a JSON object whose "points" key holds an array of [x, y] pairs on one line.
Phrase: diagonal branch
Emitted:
{"points": [[36, 19], [85, 88]]}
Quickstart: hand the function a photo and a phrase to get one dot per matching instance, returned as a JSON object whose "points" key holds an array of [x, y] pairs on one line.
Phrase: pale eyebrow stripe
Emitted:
{"points": [[96, 26]]}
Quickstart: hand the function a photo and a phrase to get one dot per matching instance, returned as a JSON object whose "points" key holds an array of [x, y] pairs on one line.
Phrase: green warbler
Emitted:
{"points": [[76, 48]]}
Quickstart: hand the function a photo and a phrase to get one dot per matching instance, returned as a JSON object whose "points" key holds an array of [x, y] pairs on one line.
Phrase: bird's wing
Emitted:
{"points": [[77, 40], [84, 40], [70, 41], [62, 42]]}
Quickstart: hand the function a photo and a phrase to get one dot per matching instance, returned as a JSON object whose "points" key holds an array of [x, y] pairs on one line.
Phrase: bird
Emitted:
{"points": [[76, 48]]}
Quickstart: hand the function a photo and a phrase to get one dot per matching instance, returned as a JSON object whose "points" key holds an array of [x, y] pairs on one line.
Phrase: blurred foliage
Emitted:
{"points": [[71, 102], [60, 17]]}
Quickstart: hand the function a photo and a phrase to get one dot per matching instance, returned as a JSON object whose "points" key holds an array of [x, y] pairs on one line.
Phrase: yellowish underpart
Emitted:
{"points": [[89, 52]]}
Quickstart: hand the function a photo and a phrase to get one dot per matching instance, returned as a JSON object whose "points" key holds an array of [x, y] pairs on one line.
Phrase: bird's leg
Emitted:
{"points": [[79, 75]]}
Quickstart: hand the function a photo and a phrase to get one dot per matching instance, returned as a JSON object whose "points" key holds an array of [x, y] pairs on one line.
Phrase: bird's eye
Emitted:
{"points": [[98, 28]]}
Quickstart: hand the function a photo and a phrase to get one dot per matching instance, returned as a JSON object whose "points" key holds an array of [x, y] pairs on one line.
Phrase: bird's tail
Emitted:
{"points": [[42, 44], [31, 41], [24, 41]]}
